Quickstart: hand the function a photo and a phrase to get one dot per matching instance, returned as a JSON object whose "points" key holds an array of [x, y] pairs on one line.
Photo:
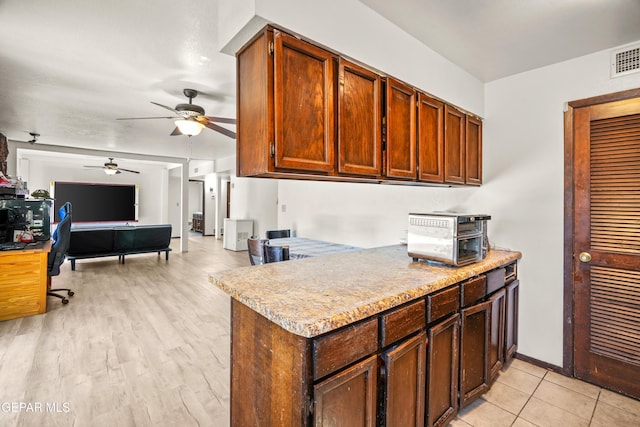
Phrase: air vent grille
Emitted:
{"points": [[625, 61]]}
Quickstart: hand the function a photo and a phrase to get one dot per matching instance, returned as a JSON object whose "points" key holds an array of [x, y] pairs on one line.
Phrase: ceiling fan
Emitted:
{"points": [[111, 168], [190, 119]]}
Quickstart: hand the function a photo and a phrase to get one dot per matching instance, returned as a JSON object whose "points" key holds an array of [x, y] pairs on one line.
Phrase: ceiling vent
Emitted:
{"points": [[625, 61]]}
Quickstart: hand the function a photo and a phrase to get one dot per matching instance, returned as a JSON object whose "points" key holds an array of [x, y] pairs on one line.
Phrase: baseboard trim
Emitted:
{"points": [[541, 364]]}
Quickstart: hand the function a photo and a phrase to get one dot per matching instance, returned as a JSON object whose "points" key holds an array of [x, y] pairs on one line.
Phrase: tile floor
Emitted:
{"points": [[527, 395]]}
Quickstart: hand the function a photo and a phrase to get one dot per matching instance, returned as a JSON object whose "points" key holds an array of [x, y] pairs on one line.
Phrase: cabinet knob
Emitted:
{"points": [[584, 256]]}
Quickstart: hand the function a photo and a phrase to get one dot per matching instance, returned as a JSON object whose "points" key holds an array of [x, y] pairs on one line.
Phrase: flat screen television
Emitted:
{"points": [[97, 202]]}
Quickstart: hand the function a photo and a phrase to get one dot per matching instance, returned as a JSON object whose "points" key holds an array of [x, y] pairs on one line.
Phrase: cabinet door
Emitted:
{"points": [[473, 152], [400, 130], [474, 343], [359, 121], [304, 95], [430, 139], [511, 324], [347, 398], [442, 371], [404, 369], [454, 145], [496, 334]]}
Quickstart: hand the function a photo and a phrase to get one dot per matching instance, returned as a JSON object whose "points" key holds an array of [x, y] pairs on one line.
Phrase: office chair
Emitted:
{"points": [[275, 253], [278, 234], [61, 237], [256, 250]]}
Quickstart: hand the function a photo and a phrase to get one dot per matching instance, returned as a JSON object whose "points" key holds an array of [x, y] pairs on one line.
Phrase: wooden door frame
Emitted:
{"points": [[569, 213]]}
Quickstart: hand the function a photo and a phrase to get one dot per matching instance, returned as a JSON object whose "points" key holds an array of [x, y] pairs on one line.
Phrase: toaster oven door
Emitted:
{"points": [[468, 250]]}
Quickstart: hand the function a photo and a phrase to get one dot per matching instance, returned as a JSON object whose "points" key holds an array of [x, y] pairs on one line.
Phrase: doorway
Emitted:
{"points": [[602, 241]]}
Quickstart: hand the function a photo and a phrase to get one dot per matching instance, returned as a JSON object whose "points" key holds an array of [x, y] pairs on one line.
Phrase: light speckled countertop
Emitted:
{"points": [[309, 297]]}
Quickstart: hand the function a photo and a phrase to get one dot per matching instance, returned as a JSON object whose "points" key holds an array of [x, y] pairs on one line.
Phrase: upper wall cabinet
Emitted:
{"points": [[473, 150], [454, 157], [430, 139], [309, 113], [359, 119], [401, 130], [286, 106]]}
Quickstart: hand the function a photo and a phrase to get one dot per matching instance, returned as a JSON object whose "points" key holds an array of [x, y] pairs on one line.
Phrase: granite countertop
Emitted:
{"points": [[309, 297]]}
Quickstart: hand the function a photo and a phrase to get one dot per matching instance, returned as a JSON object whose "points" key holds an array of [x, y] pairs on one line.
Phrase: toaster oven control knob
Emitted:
{"points": [[585, 256]]}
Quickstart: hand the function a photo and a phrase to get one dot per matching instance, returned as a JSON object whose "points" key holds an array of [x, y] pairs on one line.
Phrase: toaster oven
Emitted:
{"points": [[447, 238]]}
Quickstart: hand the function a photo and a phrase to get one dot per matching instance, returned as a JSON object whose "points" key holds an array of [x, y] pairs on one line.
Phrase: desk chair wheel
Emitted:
{"points": [[71, 293], [65, 301]]}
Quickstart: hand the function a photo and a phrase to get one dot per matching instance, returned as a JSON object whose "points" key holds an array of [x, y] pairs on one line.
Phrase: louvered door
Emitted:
{"points": [[607, 245]]}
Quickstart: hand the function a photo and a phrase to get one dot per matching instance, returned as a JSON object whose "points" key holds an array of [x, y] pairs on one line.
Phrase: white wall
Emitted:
{"points": [[210, 204], [524, 160], [174, 210], [255, 198], [152, 182]]}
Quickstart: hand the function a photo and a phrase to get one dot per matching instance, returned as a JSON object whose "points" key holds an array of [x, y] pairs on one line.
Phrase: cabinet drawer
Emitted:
{"points": [[402, 322], [473, 290], [511, 272], [336, 350], [442, 303], [495, 280]]}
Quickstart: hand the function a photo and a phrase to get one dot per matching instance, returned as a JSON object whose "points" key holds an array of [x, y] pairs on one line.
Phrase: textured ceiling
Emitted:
{"points": [[492, 39]]}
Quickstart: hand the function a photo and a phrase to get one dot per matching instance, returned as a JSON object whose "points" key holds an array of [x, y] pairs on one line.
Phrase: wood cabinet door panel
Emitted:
{"points": [[304, 93], [454, 145], [511, 323], [442, 371], [430, 139], [254, 106], [359, 121], [348, 398], [401, 130], [405, 382], [474, 347], [473, 152], [496, 333]]}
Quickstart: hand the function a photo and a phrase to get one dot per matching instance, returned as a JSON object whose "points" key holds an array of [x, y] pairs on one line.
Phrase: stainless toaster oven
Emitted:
{"points": [[447, 238]]}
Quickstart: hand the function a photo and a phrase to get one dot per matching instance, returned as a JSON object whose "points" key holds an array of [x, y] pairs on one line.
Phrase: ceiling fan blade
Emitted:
{"points": [[175, 132], [95, 167], [222, 130], [166, 108], [127, 170], [145, 118], [220, 119]]}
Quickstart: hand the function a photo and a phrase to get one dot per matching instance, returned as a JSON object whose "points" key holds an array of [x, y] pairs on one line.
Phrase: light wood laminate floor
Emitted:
{"points": [[147, 344]]}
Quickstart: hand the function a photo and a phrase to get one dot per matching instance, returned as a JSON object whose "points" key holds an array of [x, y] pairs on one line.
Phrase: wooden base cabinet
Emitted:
{"points": [[413, 365], [474, 346], [442, 371], [511, 323], [348, 398], [497, 333], [403, 376]]}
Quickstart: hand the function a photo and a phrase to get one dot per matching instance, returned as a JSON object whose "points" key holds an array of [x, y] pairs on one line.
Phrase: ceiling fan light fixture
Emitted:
{"points": [[110, 171], [189, 127]]}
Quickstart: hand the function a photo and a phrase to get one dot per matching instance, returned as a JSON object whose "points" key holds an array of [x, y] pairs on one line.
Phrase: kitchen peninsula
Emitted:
{"points": [[357, 337]]}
